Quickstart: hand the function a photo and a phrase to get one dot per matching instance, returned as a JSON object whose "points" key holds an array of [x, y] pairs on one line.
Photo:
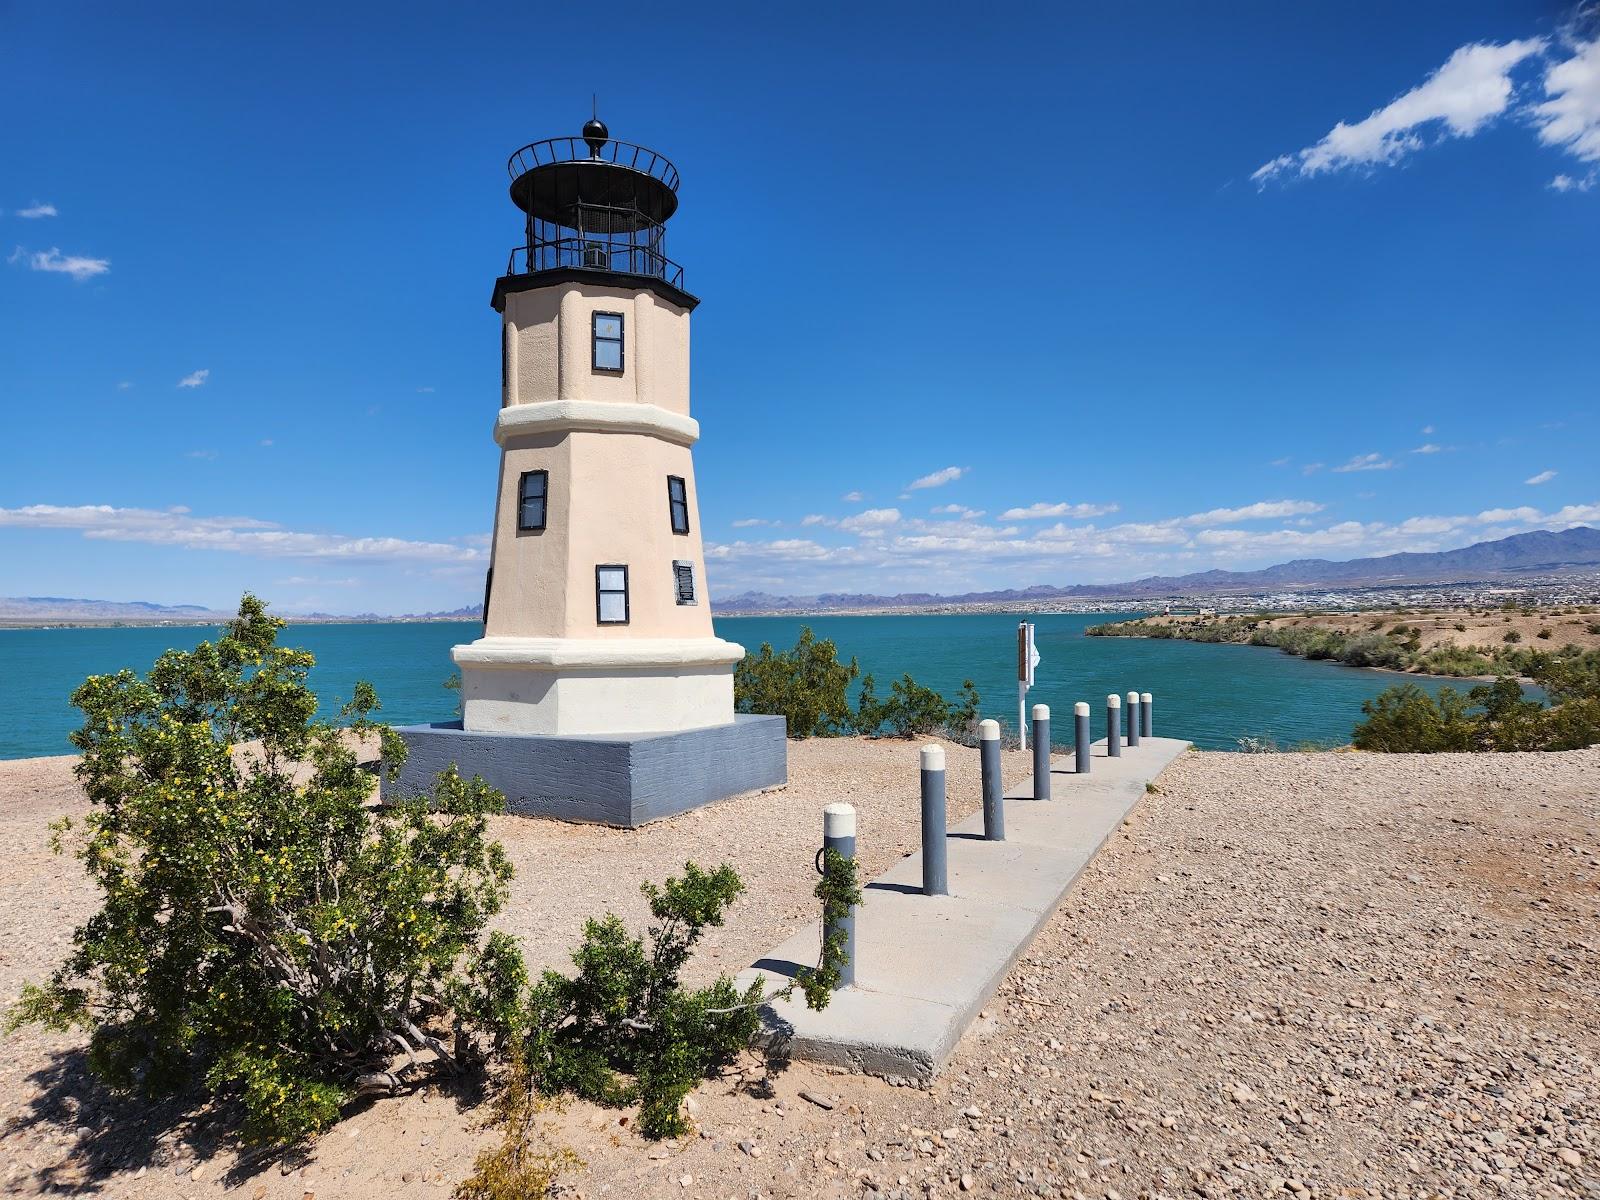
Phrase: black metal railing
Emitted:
{"points": [[597, 252], [574, 149]]}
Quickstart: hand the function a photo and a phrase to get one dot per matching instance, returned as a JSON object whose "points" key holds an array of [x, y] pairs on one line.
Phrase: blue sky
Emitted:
{"points": [[1071, 294]]}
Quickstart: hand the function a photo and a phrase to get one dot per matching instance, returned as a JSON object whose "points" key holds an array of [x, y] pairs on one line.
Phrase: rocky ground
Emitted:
{"points": [[1320, 974]]}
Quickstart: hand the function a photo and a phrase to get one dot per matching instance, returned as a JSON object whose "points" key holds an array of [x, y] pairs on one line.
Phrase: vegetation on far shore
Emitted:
{"points": [[1407, 719]]}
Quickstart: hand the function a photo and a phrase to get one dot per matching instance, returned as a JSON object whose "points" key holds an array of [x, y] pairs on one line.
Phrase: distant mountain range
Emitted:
{"points": [[1544, 552]]}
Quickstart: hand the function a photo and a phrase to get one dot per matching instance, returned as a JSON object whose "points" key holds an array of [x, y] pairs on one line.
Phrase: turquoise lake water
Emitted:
{"points": [[1211, 694]]}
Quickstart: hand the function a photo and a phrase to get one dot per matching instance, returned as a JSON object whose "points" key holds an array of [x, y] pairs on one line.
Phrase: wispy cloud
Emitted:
{"points": [[1541, 477], [1366, 462], [1427, 448], [209, 455], [1569, 119], [1426, 430], [751, 522], [1312, 468], [853, 497], [1262, 510], [870, 521], [195, 378], [818, 519], [37, 210], [78, 266], [937, 478], [242, 535], [1469, 91], [1042, 511], [1567, 183], [957, 510]]}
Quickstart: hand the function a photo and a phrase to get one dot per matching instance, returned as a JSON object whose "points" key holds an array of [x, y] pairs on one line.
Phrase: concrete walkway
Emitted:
{"points": [[927, 964]]}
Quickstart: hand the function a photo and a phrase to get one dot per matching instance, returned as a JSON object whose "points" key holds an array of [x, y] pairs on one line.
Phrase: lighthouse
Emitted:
{"points": [[599, 689]]}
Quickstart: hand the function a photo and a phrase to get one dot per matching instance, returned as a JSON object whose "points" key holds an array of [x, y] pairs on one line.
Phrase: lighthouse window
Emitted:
{"points": [[611, 594], [531, 496], [607, 341], [678, 504], [683, 581]]}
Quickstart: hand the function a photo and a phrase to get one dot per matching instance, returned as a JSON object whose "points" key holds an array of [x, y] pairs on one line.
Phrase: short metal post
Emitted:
{"points": [[1081, 737], [1146, 717], [994, 807], [839, 835], [934, 875], [1041, 752], [1114, 725], [1133, 718]]}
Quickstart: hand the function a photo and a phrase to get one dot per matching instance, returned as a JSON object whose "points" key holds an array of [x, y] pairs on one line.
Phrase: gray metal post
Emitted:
{"points": [[1081, 736], [1114, 725], [994, 807], [1146, 717], [934, 873], [839, 835], [1133, 718], [1041, 752]]}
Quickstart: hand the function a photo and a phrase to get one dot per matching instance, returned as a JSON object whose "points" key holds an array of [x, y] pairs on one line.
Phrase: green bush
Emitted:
{"points": [[810, 689], [624, 1029], [1511, 636], [1372, 650], [260, 925], [807, 686], [1406, 719]]}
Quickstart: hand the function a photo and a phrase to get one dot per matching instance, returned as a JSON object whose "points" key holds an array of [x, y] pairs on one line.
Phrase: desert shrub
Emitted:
{"points": [[1511, 637], [1406, 719], [1452, 660], [1372, 650], [807, 686], [260, 926], [1594, 627], [624, 1030], [1460, 628], [1543, 635]]}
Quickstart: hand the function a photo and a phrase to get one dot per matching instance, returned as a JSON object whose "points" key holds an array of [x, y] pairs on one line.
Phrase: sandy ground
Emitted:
{"points": [[1572, 626], [1326, 974]]}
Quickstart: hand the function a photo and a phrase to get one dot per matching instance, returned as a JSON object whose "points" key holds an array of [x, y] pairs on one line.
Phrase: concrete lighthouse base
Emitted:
{"points": [[625, 779]]}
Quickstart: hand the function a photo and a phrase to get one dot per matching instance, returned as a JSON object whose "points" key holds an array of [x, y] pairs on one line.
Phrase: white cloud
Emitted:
{"points": [[1469, 91], [426, 390], [1281, 462], [53, 261], [1042, 511], [937, 478], [195, 379], [1262, 510], [1312, 468], [266, 441], [853, 497], [1566, 183], [1570, 118], [1427, 448], [817, 519], [871, 520], [37, 210], [751, 522], [1427, 429], [1366, 462], [124, 385], [241, 535], [957, 510], [205, 454], [1541, 477]]}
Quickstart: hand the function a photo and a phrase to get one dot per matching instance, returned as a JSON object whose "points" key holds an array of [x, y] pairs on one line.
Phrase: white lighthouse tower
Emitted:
{"points": [[597, 624]]}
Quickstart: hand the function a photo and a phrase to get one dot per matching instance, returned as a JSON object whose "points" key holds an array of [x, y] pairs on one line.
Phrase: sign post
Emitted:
{"points": [[1027, 660]]}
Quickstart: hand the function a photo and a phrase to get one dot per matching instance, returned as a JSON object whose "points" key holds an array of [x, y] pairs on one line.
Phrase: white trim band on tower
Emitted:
{"points": [[594, 416], [596, 654]]}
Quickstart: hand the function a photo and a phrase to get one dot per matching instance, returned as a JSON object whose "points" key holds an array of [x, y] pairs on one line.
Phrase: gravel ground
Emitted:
{"points": [[1322, 974]]}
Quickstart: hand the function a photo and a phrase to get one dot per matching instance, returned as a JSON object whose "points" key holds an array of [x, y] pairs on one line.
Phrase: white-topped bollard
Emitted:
{"points": [[1114, 725], [1041, 752], [934, 831], [1146, 718], [839, 835], [1081, 737], [994, 809], [1133, 718]]}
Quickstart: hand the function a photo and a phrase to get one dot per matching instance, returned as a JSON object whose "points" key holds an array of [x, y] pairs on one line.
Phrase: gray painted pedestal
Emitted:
{"points": [[613, 779]]}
